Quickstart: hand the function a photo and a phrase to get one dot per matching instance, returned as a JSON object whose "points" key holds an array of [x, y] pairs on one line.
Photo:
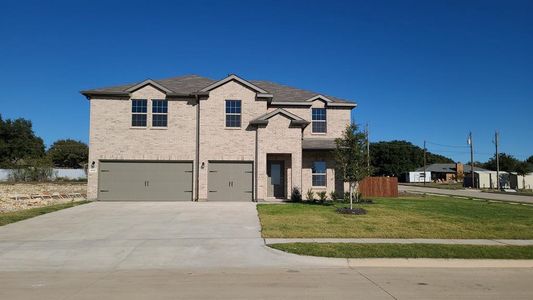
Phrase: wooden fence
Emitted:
{"points": [[379, 187]]}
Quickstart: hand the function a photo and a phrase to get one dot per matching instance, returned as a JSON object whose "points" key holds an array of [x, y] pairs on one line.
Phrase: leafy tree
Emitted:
{"points": [[18, 142], [396, 157], [350, 155], [507, 163], [68, 153], [522, 169], [530, 160]]}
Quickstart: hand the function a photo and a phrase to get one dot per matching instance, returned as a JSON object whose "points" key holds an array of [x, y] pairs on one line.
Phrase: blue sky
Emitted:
{"points": [[419, 70]]}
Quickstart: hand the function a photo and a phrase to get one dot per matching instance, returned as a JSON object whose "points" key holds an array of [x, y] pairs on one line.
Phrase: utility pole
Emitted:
{"points": [[496, 142], [424, 162], [367, 150], [471, 143]]}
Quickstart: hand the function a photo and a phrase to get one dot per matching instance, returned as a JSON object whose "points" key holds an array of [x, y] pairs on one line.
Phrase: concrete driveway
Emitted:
{"points": [[141, 235]]}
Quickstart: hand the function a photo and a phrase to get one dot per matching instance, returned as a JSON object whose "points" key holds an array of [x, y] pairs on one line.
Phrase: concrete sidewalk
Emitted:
{"points": [[469, 193], [496, 242]]}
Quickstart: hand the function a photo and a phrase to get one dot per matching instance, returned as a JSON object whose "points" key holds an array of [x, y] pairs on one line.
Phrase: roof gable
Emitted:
{"points": [[236, 78], [319, 97], [295, 120], [148, 82]]}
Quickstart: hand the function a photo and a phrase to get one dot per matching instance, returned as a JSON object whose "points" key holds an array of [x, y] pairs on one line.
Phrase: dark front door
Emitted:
{"points": [[276, 180]]}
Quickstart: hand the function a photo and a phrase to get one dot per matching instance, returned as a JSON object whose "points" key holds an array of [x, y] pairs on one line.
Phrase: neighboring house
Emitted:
{"points": [[487, 180], [448, 172], [193, 138], [521, 182], [414, 177]]}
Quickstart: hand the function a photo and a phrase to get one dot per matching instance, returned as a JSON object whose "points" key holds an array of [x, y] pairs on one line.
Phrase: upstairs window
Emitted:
{"points": [[319, 120], [138, 113], [159, 113], [319, 173], [233, 113]]}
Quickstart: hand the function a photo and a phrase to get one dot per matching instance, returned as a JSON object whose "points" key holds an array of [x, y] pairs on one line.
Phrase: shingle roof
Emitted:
{"points": [[318, 144], [447, 168], [193, 83], [284, 93]]}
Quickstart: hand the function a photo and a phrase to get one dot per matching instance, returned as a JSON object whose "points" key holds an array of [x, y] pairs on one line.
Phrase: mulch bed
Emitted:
{"points": [[348, 211]]}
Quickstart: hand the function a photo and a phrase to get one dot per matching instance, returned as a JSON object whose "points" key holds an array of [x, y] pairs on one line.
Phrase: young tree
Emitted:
{"points": [[350, 155], [68, 153], [522, 169]]}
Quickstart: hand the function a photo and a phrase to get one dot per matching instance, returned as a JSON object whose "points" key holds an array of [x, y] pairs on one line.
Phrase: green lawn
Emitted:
{"points": [[15, 216], [407, 250], [406, 217]]}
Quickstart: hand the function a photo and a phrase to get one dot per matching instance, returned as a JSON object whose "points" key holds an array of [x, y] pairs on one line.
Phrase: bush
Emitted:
{"points": [[333, 195], [296, 195], [310, 196], [322, 195], [35, 170], [346, 197]]}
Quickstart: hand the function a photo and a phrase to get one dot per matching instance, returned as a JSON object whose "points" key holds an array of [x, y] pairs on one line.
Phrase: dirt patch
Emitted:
{"points": [[17, 196]]}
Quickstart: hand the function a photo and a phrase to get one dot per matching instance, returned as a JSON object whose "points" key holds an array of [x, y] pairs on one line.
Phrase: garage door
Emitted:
{"points": [[230, 181], [145, 181]]}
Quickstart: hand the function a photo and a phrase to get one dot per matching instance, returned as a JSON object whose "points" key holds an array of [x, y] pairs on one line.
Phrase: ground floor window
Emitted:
{"points": [[319, 173]]}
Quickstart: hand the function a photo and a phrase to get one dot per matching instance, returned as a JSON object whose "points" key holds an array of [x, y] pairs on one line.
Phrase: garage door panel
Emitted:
{"points": [[162, 184], [145, 181], [242, 182], [230, 181]]}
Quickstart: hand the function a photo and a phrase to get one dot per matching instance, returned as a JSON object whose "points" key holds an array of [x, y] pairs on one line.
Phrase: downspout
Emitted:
{"points": [[256, 163], [197, 187]]}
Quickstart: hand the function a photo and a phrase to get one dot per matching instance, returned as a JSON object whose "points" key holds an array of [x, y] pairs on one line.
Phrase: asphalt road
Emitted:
{"points": [[258, 283], [136, 250], [466, 193]]}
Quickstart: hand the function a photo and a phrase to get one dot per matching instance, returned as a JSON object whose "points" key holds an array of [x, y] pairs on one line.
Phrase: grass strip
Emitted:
{"points": [[349, 250], [15, 216]]}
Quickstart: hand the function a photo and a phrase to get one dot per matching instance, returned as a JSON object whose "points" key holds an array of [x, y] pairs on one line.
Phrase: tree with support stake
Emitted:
{"points": [[351, 158]]}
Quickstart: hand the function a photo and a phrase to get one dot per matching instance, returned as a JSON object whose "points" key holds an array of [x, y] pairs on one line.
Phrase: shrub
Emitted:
{"points": [[296, 195], [322, 195], [33, 170], [310, 196], [333, 195], [346, 197], [359, 197]]}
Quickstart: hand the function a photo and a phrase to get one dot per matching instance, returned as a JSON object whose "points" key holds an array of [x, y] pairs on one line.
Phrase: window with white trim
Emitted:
{"points": [[159, 113], [319, 173], [233, 113], [319, 120], [138, 112]]}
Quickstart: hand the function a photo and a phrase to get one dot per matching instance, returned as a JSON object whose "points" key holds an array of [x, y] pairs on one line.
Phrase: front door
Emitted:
{"points": [[276, 180]]}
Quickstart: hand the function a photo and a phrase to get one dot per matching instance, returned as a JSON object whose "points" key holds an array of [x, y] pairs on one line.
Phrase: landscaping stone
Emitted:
{"points": [[49, 194]]}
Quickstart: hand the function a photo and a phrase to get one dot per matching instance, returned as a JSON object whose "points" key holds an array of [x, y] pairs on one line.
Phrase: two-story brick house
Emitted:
{"points": [[193, 138]]}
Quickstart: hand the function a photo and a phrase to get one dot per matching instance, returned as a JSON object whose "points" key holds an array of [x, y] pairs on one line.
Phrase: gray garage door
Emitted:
{"points": [[230, 181], [145, 181]]}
